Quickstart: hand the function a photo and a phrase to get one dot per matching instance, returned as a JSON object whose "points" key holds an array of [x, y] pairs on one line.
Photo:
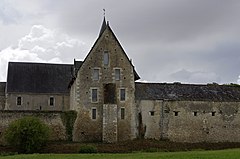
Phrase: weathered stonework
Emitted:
{"points": [[32, 101], [2, 95], [51, 118], [195, 121], [85, 127]]}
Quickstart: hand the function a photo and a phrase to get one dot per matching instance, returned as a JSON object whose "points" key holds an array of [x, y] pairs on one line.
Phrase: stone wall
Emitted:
{"points": [[51, 118], [37, 102], [191, 121], [2, 95]]}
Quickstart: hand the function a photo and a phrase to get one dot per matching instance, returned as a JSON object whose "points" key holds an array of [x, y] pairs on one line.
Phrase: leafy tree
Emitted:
{"points": [[28, 134]]}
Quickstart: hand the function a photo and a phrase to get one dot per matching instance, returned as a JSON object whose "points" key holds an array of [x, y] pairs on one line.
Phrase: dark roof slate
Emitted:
{"points": [[38, 77], [187, 92]]}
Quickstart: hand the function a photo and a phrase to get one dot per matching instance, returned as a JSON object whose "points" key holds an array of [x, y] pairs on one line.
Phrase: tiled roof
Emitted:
{"points": [[38, 77], [189, 92]]}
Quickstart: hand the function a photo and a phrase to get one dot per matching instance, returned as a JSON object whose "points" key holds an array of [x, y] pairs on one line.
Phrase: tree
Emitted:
{"points": [[28, 134]]}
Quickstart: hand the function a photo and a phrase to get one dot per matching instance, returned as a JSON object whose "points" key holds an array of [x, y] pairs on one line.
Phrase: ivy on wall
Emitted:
{"points": [[68, 118]]}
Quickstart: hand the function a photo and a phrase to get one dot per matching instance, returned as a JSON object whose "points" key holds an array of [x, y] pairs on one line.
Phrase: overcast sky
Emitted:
{"points": [[188, 41]]}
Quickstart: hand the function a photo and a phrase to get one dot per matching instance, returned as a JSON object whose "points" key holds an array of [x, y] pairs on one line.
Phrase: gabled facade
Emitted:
{"points": [[103, 92]]}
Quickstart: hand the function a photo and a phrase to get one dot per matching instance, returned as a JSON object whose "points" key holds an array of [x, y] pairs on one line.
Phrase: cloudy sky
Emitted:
{"points": [[188, 41]]}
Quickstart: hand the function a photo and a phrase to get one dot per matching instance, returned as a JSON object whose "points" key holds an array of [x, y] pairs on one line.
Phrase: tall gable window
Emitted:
{"points": [[51, 101], [94, 95], [106, 58], [19, 100], [122, 94], [117, 74], [96, 74]]}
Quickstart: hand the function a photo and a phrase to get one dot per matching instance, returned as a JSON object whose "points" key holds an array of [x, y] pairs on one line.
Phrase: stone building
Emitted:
{"points": [[111, 106], [37, 86]]}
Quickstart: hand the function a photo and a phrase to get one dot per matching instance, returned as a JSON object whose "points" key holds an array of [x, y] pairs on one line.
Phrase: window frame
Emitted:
{"points": [[122, 113], [106, 58], [120, 94], [117, 75], [94, 75], [51, 101], [17, 100], [92, 95], [94, 113]]}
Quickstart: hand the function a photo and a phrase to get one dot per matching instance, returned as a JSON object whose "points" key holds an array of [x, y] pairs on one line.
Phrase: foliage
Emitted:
{"points": [[27, 134], [223, 154], [69, 118], [87, 149]]}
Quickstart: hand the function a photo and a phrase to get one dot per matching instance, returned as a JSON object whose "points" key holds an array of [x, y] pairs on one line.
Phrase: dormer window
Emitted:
{"points": [[105, 58]]}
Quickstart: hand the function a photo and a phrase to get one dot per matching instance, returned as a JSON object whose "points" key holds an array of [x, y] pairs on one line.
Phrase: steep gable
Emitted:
{"points": [[106, 29]]}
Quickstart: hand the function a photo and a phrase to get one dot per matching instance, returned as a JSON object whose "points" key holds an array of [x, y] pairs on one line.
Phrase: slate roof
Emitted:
{"points": [[187, 92], [38, 77], [2, 88]]}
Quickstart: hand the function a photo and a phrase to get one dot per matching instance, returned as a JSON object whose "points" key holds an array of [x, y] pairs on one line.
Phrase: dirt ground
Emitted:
{"points": [[129, 146]]}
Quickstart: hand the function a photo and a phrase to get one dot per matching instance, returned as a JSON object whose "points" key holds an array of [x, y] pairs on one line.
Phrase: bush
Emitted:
{"points": [[27, 134], [87, 149]]}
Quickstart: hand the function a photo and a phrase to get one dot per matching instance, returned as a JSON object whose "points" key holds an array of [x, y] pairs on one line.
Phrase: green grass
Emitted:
{"points": [[220, 154]]}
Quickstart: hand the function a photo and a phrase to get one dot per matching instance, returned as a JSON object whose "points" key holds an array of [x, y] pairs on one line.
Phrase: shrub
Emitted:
{"points": [[88, 149], [27, 134]]}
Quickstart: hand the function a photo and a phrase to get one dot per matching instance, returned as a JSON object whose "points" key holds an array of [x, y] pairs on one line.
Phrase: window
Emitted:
{"points": [[94, 95], [176, 113], [94, 113], [122, 94], [151, 113], [122, 113], [95, 74], [19, 100], [117, 74], [195, 113], [213, 113], [105, 58], [51, 101]]}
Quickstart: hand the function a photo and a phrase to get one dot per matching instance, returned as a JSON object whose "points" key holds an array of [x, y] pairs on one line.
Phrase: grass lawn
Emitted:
{"points": [[219, 154]]}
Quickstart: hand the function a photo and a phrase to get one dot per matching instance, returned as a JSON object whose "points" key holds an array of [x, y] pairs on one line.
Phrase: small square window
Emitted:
{"points": [[94, 113], [95, 74], [176, 113], [19, 100], [122, 113], [195, 113], [51, 101], [94, 95], [117, 74], [122, 94], [151, 113], [213, 113]]}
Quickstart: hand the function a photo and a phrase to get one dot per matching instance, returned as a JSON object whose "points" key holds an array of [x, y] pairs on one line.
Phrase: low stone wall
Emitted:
{"points": [[52, 118]]}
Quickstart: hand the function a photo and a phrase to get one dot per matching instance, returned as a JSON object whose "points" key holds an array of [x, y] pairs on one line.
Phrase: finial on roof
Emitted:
{"points": [[104, 12], [104, 24]]}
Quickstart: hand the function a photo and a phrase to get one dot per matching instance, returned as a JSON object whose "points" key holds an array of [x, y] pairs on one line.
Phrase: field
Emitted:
{"points": [[219, 154]]}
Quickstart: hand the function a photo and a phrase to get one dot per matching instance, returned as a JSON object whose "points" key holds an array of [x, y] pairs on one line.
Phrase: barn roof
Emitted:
{"points": [[38, 77], [189, 92]]}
